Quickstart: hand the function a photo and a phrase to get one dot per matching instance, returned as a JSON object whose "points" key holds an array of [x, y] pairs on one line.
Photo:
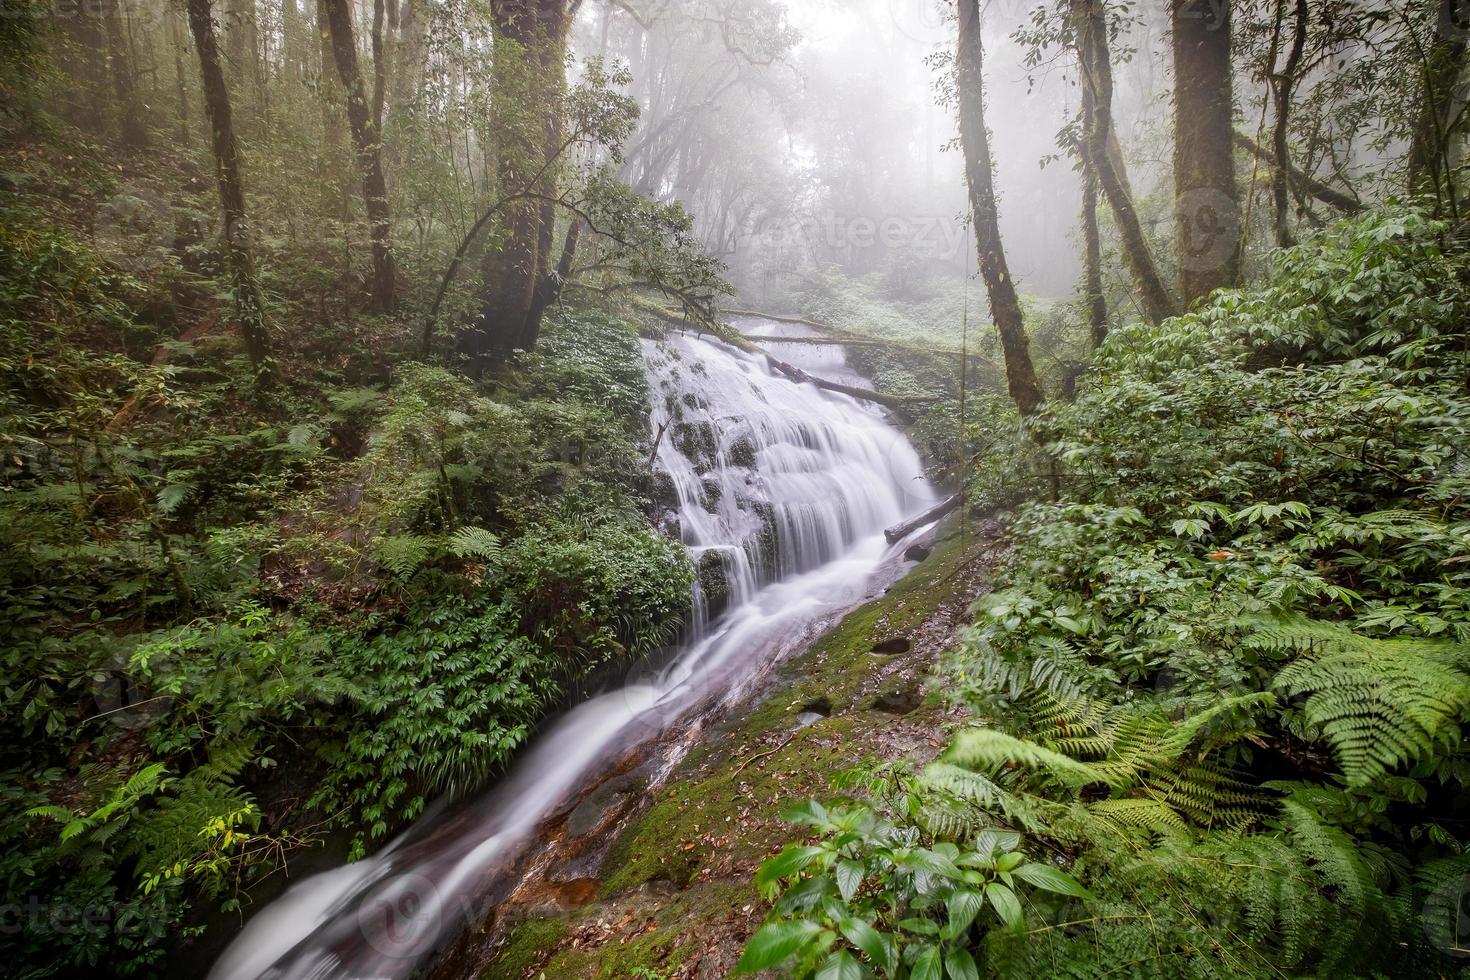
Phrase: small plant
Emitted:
{"points": [[870, 898]]}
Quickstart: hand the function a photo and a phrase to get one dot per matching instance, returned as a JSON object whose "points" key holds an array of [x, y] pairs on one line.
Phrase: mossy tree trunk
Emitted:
{"points": [[1094, 58], [1431, 140], [1206, 201], [1005, 305], [368, 143], [249, 310], [528, 88]]}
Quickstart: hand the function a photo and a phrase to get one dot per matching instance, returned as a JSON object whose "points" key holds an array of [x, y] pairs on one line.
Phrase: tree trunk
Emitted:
{"points": [[528, 82], [1097, 306], [1206, 201], [334, 134], [133, 133], [1094, 58], [1430, 141], [369, 152], [549, 286], [1282, 85], [180, 48], [242, 39], [1005, 305], [249, 310]]}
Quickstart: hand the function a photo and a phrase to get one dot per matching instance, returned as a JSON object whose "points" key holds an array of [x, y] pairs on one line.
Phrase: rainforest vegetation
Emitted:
{"points": [[336, 339]]}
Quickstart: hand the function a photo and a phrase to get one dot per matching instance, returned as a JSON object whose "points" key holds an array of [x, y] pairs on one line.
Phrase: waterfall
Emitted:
{"points": [[781, 492]]}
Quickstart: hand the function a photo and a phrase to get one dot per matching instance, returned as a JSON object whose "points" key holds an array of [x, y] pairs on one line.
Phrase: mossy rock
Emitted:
{"points": [[709, 497], [714, 582], [698, 442], [741, 452]]}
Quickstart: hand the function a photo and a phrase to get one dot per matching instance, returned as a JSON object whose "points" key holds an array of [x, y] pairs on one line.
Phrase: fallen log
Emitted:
{"points": [[864, 342], [783, 318], [801, 377], [900, 531]]}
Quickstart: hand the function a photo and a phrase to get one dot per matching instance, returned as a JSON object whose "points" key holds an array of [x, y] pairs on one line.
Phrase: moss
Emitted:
{"points": [[527, 944], [665, 844], [710, 495], [714, 584], [680, 873], [697, 441], [741, 452], [661, 951]]}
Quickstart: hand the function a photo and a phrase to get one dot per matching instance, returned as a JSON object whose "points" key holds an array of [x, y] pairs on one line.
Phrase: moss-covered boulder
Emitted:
{"points": [[714, 583], [698, 442]]}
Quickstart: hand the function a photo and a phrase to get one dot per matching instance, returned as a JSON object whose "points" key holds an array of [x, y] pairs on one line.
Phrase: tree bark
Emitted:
{"points": [[528, 81], [133, 133], [1092, 282], [334, 133], [1429, 143], [242, 39], [1005, 305], [1304, 182], [366, 138], [249, 310], [1283, 85], [1094, 58], [1206, 201]]}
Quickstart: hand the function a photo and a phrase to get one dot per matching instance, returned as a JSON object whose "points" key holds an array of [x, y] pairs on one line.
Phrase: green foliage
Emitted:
{"points": [[1227, 670], [876, 897]]}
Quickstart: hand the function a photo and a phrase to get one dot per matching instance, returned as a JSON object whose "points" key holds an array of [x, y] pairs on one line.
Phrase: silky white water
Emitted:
{"points": [[789, 489]]}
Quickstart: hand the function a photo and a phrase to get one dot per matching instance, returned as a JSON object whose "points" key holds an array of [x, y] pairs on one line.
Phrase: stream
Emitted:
{"points": [[783, 492]]}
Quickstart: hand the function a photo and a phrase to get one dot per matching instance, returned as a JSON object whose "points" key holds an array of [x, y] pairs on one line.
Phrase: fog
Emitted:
{"points": [[813, 137]]}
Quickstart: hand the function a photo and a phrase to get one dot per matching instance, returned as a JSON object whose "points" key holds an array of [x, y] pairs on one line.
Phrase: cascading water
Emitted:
{"points": [[783, 491]]}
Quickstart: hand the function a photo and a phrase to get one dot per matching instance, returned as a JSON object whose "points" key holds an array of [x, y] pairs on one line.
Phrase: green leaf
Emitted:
{"points": [[788, 862], [841, 965], [1051, 879], [849, 878], [1006, 905], [774, 942], [960, 965], [927, 965], [963, 905], [862, 935]]}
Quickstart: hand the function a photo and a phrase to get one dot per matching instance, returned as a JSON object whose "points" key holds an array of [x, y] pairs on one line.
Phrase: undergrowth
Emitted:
{"points": [[1224, 681]]}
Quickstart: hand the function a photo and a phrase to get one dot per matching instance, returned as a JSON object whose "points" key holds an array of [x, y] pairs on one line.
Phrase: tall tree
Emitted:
{"points": [[1206, 201], [1090, 26], [249, 310], [1092, 282], [1005, 305], [1283, 84], [365, 137], [528, 91], [124, 85], [1444, 64]]}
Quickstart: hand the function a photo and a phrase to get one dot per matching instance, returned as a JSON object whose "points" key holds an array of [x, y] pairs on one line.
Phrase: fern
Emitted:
{"points": [[474, 542], [403, 554], [1380, 703]]}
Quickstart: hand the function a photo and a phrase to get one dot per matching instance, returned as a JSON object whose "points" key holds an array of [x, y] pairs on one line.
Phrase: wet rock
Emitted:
{"points": [[662, 492], [697, 441], [896, 644], [741, 452], [917, 552], [593, 811], [898, 702], [709, 497], [714, 583], [808, 718]]}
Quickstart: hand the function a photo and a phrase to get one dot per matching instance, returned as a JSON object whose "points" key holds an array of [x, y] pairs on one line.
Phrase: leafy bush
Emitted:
{"points": [[1227, 670]]}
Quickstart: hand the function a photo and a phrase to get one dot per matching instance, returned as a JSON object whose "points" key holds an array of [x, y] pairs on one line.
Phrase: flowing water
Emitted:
{"points": [[783, 492]]}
